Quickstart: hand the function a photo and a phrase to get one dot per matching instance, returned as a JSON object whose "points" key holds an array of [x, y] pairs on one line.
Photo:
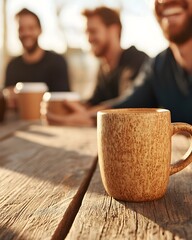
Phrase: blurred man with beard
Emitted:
{"points": [[118, 67], [35, 64]]}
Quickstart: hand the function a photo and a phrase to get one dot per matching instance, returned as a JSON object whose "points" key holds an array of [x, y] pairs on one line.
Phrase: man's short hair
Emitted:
{"points": [[108, 16], [26, 11]]}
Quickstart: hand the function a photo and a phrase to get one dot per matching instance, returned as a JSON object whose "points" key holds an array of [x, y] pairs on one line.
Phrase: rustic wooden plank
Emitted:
{"points": [[12, 123], [102, 217], [7, 129], [41, 170], [70, 214]]}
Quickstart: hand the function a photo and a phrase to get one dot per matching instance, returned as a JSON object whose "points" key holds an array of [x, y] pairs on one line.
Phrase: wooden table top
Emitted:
{"points": [[50, 188]]}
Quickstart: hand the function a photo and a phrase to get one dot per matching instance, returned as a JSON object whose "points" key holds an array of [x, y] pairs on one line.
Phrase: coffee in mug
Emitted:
{"points": [[134, 151], [29, 97]]}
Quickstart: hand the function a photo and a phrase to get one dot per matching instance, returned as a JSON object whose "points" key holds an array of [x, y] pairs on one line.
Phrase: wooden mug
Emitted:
{"points": [[134, 150]]}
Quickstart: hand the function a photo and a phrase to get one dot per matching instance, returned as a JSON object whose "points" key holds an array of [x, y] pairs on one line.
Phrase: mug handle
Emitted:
{"points": [[182, 163]]}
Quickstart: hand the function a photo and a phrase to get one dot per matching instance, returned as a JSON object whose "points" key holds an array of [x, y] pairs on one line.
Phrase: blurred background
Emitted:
{"points": [[64, 32]]}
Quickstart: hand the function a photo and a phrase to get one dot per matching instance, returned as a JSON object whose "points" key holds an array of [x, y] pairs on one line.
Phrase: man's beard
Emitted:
{"points": [[32, 49], [102, 51], [183, 36]]}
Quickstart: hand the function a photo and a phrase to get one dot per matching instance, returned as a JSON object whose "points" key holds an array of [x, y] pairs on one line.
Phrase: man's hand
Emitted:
{"points": [[77, 116]]}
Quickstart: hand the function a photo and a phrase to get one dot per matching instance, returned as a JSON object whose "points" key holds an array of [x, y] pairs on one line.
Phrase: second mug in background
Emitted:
{"points": [[29, 97], [53, 102]]}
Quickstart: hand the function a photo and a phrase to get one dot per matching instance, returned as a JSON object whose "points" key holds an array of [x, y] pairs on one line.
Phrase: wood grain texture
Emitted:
{"points": [[102, 217], [7, 129], [41, 170], [12, 123]]}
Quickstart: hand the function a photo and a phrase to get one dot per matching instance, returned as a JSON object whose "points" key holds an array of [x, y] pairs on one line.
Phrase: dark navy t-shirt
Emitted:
{"points": [[50, 69], [166, 86]]}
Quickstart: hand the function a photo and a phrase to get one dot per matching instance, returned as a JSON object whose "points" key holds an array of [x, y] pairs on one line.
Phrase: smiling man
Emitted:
{"points": [[118, 67], [35, 64], [175, 19], [169, 84]]}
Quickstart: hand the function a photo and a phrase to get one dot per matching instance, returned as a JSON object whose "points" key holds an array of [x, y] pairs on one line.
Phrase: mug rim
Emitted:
{"points": [[28, 87], [134, 111], [60, 96]]}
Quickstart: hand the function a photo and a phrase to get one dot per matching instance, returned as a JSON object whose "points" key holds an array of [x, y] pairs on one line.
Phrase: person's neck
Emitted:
{"points": [[112, 57], [34, 56], [182, 54]]}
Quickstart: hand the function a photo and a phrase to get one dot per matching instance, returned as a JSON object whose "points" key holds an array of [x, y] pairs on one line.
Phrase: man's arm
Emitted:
{"points": [[142, 96], [79, 116]]}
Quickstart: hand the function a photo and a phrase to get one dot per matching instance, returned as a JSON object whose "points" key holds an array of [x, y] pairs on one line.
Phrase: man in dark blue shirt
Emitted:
{"points": [[169, 83]]}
